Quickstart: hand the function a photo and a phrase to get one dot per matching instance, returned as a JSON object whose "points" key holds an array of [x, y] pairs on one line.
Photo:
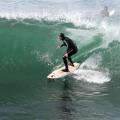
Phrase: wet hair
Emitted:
{"points": [[62, 35]]}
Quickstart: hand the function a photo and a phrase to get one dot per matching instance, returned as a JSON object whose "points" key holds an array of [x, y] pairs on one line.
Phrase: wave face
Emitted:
{"points": [[29, 46], [29, 32]]}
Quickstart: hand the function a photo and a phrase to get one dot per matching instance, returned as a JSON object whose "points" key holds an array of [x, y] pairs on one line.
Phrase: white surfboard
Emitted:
{"points": [[59, 73]]}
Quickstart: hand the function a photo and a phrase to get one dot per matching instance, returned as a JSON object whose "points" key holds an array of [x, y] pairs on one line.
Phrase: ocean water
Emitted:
{"points": [[28, 39]]}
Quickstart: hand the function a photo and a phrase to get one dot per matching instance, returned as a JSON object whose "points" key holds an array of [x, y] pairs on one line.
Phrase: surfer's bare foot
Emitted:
{"points": [[65, 70]]}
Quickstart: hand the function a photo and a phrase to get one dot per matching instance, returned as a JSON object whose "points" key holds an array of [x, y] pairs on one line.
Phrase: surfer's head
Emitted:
{"points": [[106, 8], [61, 36]]}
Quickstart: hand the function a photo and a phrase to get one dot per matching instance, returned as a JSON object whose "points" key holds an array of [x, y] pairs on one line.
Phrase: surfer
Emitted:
{"points": [[71, 50], [105, 12]]}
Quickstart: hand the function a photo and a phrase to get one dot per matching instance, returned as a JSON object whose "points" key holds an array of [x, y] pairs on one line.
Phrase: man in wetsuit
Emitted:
{"points": [[71, 50], [105, 12]]}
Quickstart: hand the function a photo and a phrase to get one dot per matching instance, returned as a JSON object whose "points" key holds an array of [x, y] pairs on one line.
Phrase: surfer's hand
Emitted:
{"points": [[66, 55], [58, 46]]}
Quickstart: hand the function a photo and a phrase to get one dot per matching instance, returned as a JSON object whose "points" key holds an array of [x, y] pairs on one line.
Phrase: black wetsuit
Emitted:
{"points": [[71, 50]]}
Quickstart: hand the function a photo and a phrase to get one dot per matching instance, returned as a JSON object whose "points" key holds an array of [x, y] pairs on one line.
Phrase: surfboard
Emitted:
{"points": [[59, 73]]}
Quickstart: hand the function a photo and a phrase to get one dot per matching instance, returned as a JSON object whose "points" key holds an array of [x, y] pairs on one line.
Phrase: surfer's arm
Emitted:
{"points": [[70, 51], [59, 46], [62, 45]]}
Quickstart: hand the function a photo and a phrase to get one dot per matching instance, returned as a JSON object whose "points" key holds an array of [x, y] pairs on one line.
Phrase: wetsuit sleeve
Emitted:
{"points": [[63, 44]]}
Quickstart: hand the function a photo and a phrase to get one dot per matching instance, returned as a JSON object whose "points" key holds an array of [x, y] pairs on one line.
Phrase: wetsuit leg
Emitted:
{"points": [[65, 62], [69, 56]]}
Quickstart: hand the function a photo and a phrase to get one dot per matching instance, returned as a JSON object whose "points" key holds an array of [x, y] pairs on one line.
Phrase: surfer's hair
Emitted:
{"points": [[62, 35]]}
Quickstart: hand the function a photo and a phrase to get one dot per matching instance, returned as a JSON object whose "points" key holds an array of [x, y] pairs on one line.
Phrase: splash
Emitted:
{"points": [[90, 71], [92, 76]]}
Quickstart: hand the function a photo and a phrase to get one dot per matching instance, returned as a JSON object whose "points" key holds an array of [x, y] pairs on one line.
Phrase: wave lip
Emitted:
{"points": [[76, 18]]}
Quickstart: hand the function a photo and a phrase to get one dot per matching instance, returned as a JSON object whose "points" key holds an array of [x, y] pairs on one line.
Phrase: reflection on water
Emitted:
{"points": [[66, 104]]}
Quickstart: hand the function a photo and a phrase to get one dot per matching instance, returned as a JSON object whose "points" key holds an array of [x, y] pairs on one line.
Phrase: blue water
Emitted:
{"points": [[28, 40]]}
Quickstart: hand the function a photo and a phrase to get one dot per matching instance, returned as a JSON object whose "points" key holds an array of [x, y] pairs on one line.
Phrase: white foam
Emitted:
{"points": [[43, 10], [110, 31], [91, 76], [112, 12], [90, 72], [92, 62], [46, 58]]}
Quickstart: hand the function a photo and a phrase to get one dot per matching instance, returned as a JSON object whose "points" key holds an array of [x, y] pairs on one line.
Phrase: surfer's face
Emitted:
{"points": [[60, 38]]}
